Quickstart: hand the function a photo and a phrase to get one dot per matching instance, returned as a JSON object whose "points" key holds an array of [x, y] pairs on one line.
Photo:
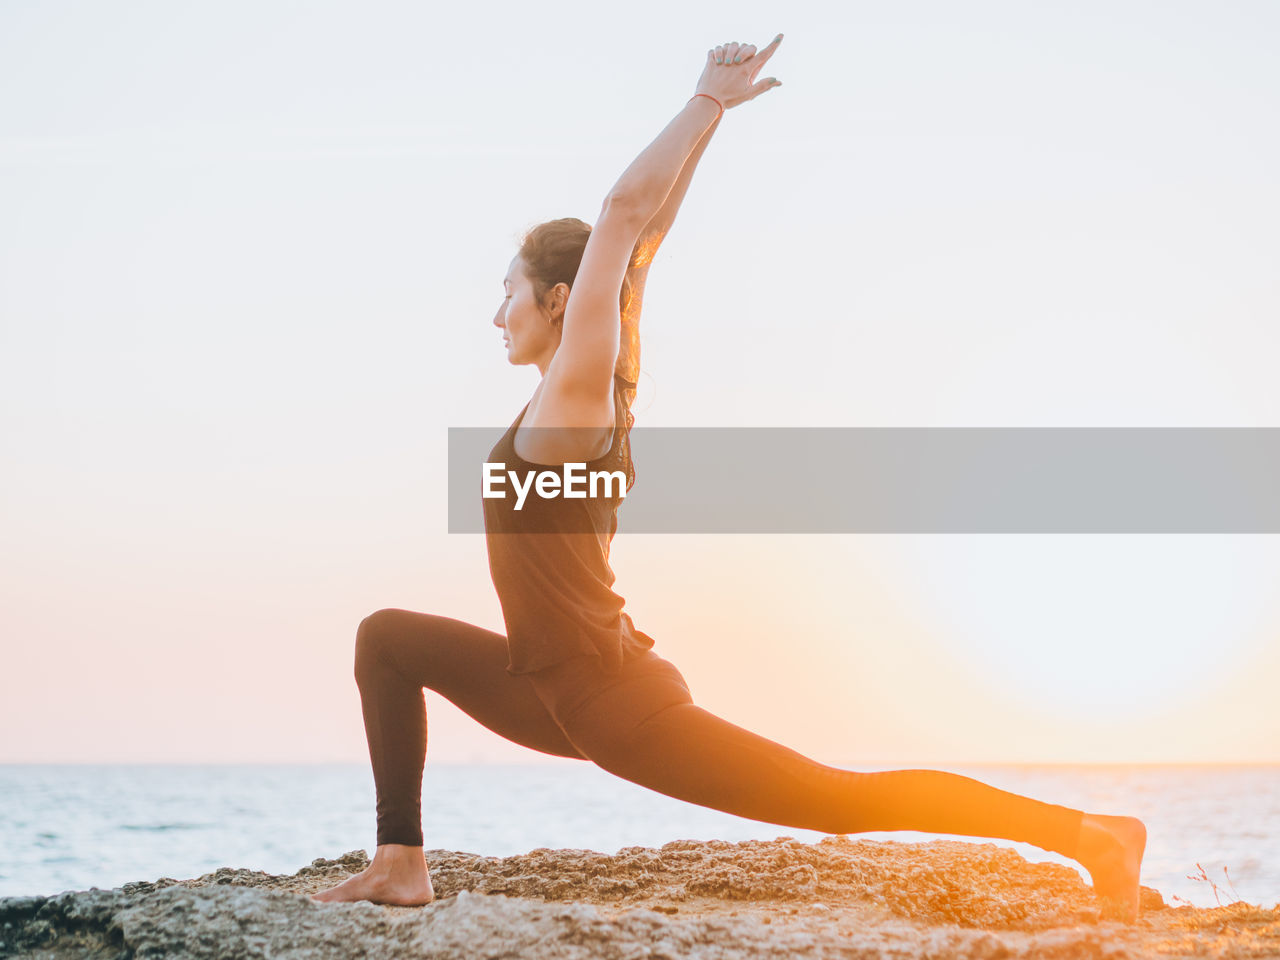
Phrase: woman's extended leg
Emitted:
{"points": [[399, 653], [644, 727]]}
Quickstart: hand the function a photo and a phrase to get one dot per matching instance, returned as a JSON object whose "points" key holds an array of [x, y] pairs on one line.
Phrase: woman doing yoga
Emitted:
{"points": [[573, 676]]}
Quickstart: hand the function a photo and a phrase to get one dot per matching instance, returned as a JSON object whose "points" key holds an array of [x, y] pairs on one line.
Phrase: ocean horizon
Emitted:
{"points": [[78, 826]]}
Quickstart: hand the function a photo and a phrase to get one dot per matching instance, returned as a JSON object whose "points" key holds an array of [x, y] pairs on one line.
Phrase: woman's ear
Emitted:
{"points": [[559, 298]]}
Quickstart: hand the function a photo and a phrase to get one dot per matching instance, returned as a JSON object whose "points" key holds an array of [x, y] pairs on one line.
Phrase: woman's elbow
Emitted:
{"points": [[629, 206]]}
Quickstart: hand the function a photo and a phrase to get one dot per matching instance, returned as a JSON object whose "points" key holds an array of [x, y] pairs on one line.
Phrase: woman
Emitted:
{"points": [[573, 676]]}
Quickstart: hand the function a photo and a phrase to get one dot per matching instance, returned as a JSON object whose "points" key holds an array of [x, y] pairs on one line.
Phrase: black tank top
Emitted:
{"points": [[553, 576]]}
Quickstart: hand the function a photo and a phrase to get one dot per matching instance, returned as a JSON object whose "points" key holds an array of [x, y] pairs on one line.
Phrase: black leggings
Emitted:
{"points": [[643, 726]]}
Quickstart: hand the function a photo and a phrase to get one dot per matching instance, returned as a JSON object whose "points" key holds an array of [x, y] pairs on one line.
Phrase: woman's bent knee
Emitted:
{"points": [[372, 637]]}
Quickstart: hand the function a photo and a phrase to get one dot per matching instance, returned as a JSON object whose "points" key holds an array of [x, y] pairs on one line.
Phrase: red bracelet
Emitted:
{"points": [[710, 97]]}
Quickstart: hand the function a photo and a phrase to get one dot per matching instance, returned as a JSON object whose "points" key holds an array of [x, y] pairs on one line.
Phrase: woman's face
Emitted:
{"points": [[528, 334]]}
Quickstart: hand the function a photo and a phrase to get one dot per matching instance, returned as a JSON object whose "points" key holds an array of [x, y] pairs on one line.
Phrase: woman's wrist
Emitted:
{"points": [[709, 99]]}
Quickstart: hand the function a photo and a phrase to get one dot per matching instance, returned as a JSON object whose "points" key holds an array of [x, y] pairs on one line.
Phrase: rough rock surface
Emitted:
{"points": [[709, 900]]}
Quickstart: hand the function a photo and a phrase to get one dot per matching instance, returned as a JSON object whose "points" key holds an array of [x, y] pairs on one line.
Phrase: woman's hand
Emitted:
{"points": [[730, 73]]}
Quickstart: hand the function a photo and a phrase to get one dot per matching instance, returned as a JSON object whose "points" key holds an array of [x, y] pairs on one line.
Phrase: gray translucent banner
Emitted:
{"points": [[925, 480]]}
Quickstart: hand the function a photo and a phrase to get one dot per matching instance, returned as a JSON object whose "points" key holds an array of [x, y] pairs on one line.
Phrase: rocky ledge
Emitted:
{"points": [[701, 899]]}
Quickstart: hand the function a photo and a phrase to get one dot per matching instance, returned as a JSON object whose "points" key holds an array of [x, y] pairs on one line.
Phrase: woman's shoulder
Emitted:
{"points": [[551, 442]]}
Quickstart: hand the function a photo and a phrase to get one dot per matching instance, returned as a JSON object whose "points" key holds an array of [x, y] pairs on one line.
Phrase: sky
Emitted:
{"points": [[249, 257]]}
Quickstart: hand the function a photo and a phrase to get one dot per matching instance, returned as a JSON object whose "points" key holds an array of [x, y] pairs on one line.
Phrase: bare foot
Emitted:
{"points": [[396, 876], [1111, 849]]}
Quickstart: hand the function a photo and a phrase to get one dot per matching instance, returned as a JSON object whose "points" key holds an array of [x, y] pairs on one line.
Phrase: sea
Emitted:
{"points": [[1213, 831]]}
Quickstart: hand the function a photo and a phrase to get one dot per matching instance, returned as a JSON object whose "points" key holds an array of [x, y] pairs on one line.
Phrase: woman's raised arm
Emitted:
{"points": [[651, 237], [645, 184], [582, 369]]}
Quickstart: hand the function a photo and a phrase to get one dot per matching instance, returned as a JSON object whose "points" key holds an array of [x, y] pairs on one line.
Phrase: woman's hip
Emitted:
{"points": [[580, 685]]}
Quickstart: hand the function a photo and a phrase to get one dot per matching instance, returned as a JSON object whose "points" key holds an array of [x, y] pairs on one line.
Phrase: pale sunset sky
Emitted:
{"points": [[249, 257]]}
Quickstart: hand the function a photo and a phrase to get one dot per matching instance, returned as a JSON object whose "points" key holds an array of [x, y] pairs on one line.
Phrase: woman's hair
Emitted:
{"points": [[552, 253]]}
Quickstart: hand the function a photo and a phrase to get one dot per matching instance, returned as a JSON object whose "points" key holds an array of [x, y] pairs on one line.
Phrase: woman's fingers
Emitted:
{"points": [[730, 86], [769, 50], [760, 87], [762, 58], [732, 53]]}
